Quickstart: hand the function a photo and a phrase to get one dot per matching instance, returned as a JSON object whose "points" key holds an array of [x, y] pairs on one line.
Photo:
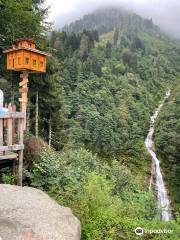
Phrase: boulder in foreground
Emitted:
{"points": [[30, 214]]}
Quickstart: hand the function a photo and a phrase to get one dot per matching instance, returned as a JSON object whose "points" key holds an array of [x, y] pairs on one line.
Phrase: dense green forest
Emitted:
{"points": [[167, 143], [105, 77], [106, 19]]}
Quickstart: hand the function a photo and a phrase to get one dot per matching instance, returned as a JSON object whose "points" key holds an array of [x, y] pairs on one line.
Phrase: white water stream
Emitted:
{"points": [[162, 196]]}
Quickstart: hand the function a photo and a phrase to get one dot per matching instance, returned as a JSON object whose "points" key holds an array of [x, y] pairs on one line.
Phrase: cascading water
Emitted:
{"points": [[162, 196]]}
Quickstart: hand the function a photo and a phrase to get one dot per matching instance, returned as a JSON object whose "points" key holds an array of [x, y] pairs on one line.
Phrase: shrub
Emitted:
{"points": [[59, 172]]}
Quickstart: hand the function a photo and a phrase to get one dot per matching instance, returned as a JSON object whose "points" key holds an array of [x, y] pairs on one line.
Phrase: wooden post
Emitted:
{"points": [[5, 128], [13, 122], [28, 117], [24, 91], [37, 115], [9, 128], [1, 132], [1, 120], [20, 152]]}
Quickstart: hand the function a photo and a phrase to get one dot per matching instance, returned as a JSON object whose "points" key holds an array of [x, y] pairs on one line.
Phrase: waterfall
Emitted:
{"points": [[162, 196]]}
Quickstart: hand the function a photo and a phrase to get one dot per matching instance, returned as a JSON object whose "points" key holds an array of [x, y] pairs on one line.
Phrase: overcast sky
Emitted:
{"points": [[165, 13]]}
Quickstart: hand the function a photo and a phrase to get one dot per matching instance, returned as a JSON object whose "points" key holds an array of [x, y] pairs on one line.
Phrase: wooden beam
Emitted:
{"points": [[13, 123], [20, 153], [24, 74], [15, 147], [23, 100], [11, 156], [23, 90], [9, 128], [12, 115], [1, 132], [5, 120], [24, 82]]}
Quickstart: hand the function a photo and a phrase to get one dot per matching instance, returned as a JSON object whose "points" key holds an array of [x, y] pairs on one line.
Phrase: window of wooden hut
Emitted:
{"points": [[19, 60], [41, 64], [34, 62], [27, 61]]}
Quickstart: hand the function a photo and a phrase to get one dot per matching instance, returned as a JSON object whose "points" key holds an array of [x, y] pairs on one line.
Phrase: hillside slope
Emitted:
{"points": [[95, 101], [167, 138], [111, 84], [107, 19]]}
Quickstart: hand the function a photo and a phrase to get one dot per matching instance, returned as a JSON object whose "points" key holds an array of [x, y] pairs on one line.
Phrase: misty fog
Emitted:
{"points": [[164, 13]]}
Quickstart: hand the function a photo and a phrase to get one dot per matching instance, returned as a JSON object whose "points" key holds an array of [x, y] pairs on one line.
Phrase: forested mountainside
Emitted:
{"points": [[167, 138], [107, 19], [94, 106]]}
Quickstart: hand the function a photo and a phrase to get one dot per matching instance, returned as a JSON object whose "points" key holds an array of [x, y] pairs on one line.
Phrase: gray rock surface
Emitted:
{"points": [[30, 214]]}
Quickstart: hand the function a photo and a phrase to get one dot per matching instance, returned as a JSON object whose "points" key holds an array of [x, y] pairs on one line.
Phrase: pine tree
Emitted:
{"points": [[116, 36]]}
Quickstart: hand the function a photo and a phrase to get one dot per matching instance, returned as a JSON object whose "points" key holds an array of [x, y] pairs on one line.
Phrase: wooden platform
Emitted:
{"points": [[11, 140], [15, 147], [8, 156]]}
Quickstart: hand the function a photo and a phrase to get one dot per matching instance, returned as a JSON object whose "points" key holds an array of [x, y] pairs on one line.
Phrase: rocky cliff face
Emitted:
{"points": [[30, 214]]}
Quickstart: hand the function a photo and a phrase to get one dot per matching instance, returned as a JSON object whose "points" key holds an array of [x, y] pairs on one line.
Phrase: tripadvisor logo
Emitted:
{"points": [[138, 231]]}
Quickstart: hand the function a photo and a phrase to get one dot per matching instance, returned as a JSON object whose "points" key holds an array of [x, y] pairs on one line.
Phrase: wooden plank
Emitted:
{"points": [[23, 90], [20, 168], [1, 120], [20, 153], [5, 121], [13, 115], [24, 74], [23, 100], [8, 153], [14, 147], [24, 82], [11, 156], [1, 132], [21, 131], [13, 123], [9, 128]]}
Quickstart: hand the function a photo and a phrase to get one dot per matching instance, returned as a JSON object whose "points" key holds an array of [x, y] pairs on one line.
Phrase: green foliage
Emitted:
{"points": [[53, 170], [116, 36], [9, 179], [120, 68], [31, 14], [127, 56], [111, 92], [97, 98], [98, 209], [167, 140], [103, 196]]}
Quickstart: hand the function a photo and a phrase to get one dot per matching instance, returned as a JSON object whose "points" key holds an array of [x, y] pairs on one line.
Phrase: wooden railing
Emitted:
{"points": [[11, 138], [11, 130]]}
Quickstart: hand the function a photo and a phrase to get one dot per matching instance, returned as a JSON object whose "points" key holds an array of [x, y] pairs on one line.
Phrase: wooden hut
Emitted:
{"points": [[23, 56]]}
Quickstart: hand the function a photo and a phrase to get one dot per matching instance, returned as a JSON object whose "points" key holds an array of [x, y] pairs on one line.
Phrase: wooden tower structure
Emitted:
{"points": [[25, 58]]}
